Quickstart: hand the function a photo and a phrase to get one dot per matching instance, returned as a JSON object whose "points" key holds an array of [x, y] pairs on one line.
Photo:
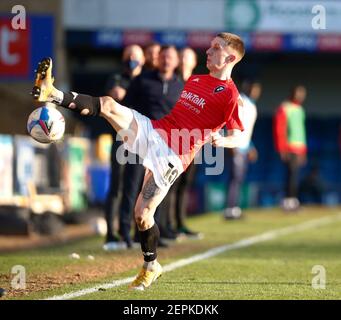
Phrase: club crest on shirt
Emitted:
{"points": [[219, 89]]}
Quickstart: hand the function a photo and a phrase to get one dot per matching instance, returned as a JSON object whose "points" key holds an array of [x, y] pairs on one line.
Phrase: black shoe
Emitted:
{"points": [[189, 233], [114, 245], [112, 238], [169, 235]]}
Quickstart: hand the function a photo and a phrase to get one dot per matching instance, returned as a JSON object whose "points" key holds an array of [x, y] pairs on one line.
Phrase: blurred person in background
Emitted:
{"points": [[188, 62], [312, 187], [151, 53], [177, 196], [290, 142], [132, 63], [239, 158], [153, 93]]}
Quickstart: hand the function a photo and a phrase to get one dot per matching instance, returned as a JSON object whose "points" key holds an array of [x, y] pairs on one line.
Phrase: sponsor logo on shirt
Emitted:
{"points": [[219, 89], [194, 98], [196, 80]]}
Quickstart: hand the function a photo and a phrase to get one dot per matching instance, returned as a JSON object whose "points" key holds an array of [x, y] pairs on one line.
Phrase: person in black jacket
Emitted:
{"points": [[132, 61], [180, 190], [174, 205], [151, 54], [152, 93]]}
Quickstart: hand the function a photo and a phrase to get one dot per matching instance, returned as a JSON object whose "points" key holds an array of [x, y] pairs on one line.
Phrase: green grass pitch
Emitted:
{"points": [[276, 269]]}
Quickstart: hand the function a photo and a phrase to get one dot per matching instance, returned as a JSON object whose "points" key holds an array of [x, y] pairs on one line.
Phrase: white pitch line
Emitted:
{"points": [[270, 235]]}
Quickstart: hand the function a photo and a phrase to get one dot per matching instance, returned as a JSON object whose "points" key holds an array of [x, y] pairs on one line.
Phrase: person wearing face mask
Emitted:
{"points": [[153, 94], [132, 61]]}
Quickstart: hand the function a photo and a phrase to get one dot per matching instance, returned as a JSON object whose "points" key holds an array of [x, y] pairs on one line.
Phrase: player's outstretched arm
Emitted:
{"points": [[230, 141]]}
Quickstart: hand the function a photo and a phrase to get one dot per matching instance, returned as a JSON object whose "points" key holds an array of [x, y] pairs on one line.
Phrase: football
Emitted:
{"points": [[46, 124]]}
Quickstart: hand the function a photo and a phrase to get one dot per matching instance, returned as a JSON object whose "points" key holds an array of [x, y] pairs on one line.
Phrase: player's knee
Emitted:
{"points": [[142, 223], [142, 217]]}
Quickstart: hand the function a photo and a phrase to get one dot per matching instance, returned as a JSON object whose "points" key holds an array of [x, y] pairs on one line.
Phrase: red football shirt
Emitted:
{"points": [[206, 104]]}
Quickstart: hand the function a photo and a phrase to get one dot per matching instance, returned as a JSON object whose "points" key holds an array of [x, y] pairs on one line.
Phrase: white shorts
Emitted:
{"points": [[156, 154]]}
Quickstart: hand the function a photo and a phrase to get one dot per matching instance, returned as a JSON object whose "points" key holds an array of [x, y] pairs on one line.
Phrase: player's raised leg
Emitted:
{"points": [[120, 117], [148, 200]]}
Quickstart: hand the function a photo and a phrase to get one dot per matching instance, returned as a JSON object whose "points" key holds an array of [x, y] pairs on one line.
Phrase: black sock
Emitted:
{"points": [[67, 99], [149, 241], [82, 101]]}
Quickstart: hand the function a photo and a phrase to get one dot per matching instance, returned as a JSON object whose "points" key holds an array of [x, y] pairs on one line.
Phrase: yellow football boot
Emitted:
{"points": [[43, 85], [145, 278]]}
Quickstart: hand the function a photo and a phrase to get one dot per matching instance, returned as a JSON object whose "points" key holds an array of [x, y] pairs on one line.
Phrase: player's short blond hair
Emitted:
{"points": [[233, 41]]}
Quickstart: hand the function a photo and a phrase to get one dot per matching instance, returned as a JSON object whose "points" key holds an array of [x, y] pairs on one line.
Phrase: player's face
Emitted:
{"points": [[217, 55]]}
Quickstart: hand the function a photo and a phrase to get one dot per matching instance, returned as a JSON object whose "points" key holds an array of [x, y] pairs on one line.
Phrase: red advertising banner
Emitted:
{"points": [[137, 37], [329, 42], [200, 39], [267, 41], [14, 49]]}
